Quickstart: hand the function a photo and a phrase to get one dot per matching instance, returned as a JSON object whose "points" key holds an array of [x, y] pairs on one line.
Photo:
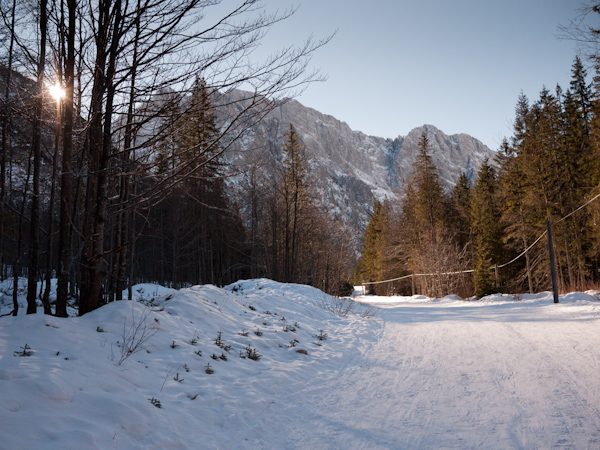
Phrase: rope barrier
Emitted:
{"points": [[581, 207], [493, 267], [418, 275], [524, 251]]}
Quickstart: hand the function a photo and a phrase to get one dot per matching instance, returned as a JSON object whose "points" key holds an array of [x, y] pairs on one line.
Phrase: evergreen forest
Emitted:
{"points": [[479, 238]]}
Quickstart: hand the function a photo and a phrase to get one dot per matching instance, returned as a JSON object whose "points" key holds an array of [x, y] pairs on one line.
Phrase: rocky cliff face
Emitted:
{"points": [[352, 169]]}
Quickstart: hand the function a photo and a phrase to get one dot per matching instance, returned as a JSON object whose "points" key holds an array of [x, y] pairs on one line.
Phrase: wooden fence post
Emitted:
{"points": [[552, 263], [496, 276]]}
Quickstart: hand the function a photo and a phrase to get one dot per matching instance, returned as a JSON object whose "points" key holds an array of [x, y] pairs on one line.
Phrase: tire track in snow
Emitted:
{"points": [[470, 378], [572, 407]]}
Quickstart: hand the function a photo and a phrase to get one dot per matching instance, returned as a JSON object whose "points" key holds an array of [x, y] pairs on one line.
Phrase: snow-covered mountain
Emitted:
{"points": [[353, 169]]}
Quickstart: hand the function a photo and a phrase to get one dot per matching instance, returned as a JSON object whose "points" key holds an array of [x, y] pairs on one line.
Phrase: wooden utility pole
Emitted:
{"points": [[552, 263], [496, 276]]}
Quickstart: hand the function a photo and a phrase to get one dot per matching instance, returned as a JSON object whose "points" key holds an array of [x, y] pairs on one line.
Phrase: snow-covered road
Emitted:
{"points": [[498, 373], [453, 375]]}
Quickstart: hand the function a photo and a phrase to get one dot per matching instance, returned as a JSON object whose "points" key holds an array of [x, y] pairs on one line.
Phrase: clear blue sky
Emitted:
{"points": [[456, 64]]}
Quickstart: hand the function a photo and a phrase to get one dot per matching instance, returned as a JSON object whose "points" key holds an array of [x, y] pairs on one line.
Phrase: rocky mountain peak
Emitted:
{"points": [[353, 169]]}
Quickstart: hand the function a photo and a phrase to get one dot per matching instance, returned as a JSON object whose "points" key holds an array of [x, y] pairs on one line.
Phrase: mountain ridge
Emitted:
{"points": [[352, 169]]}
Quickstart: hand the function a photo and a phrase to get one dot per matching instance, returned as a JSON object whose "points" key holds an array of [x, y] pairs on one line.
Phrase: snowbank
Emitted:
{"points": [[81, 382]]}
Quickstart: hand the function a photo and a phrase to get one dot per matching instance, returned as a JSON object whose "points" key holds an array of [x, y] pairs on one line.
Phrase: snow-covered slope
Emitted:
{"points": [[500, 373], [72, 384]]}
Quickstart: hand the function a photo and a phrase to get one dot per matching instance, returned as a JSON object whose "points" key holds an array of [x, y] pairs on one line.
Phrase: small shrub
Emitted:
{"points": [[244, 333], [25, 351], [258, 332], [174, 345], [218, 341], [176, 378], [198, 352], [155, 402], [149, 303], [170, 370], [136, 333], [321, 336], [208, 370], [252, 353]]}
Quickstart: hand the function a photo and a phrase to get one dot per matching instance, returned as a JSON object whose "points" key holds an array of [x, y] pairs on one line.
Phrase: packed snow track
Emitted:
{"points": [[454, 375]]}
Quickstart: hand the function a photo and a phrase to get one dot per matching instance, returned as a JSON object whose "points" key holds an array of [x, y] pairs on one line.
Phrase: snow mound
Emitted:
{"points": [[133, 375]]}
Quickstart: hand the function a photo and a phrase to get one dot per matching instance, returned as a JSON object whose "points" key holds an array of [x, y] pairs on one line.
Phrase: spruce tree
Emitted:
{"points": [[517, 234], [426, 233], [485, 216], [195, 218], [431, 200], [296, 199], [198, 155], [372, 264], [461, 199]]}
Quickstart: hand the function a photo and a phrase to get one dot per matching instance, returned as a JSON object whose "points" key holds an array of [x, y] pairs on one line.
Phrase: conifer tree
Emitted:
{"points": [[199, 235], [531, 178], [372, 264], [296, 199], [520, 124], [514, 218], [485, 216], [372, 259], [426, 234], [431, 199], [461, 199], [198, 153]]}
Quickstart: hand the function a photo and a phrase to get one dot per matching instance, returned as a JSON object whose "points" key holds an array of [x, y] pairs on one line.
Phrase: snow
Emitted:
{"points": [[503, 372]]}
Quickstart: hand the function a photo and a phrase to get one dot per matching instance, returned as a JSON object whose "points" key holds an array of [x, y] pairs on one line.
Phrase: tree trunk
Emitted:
{"points": [[46, 295], [5, 126], [17, 259], [34, 230], [99, 142], [66, 178]]}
